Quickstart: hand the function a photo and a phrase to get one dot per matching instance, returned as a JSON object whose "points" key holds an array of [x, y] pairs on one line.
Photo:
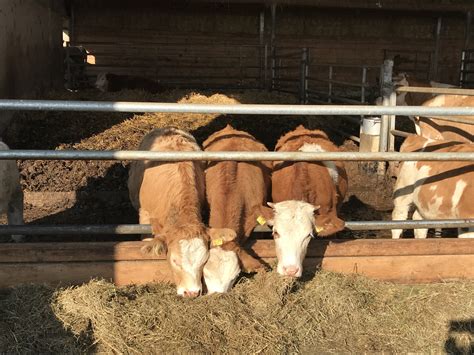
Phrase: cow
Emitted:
{"points": [[237, 191], [436, 190], [11, 194], [170, 196], [412, 98], [108, 82], [433, 128], [222, 267], [306, 197]]}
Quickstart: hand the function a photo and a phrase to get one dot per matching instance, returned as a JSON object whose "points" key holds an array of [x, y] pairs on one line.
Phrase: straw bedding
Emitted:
{"points": [[265, 314]]}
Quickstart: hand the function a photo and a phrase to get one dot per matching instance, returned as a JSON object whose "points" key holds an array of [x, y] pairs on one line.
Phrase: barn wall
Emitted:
{"points": [[162, 42], [30, 49]]}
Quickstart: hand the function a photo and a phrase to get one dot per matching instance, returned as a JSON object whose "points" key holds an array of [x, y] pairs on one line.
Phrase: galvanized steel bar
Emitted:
{"points": [[253, 109], [121, 229], [439, 91], [224, 156]]}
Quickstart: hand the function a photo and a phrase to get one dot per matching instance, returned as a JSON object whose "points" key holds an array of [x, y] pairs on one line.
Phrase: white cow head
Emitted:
{"points": [[222, 267], [293, 224], [101, 82]]}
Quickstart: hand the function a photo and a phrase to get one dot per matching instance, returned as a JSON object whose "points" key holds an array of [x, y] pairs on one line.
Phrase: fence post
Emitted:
{"points": [[304, 76], [362, 87], [272, 46], [330, 84], [386, 91]]}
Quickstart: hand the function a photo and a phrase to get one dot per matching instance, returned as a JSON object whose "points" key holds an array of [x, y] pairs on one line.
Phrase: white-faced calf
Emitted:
{"points": [[306, 198], [169, 196]]}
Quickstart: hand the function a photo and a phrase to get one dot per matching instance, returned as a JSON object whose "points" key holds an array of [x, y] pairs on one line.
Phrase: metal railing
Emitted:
{"points": [[40, 105]]}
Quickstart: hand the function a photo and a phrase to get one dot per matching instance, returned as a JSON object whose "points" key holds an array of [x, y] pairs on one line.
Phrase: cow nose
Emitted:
{"points": [[291, 270], [191, 293]]}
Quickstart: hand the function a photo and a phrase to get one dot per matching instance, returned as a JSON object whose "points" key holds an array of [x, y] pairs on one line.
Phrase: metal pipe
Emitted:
{"points": [[364, 83], [434, 69], [398, 133], [123, 229], [250, 109], [439, 91], [227, 156], [330, 74]]}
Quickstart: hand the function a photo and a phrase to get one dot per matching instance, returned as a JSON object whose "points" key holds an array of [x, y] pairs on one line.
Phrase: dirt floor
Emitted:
{"points": [[68, 192]]}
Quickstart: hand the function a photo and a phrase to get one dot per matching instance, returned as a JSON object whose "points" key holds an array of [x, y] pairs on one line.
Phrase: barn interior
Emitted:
{"points": [[220, 52]]}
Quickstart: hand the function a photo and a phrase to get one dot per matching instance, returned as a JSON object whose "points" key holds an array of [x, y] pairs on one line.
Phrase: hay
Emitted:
{"points": [[269, 314]]}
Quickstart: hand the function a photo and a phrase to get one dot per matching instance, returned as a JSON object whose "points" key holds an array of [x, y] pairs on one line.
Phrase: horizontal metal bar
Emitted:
{"points": [[226, 156], [338, 82], [121, 229], [398, 133], [253, 109], [430, 90]]}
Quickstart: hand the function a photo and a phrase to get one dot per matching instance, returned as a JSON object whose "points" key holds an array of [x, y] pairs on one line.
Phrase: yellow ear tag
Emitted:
{"points": [[261, 220], [217, 242], [319, 229]]}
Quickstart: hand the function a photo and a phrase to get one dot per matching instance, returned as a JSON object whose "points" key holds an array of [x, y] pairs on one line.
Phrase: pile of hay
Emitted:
{"points": [[270, 314]]}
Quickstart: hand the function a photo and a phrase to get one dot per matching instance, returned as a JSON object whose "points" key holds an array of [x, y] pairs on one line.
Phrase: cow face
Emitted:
{"points": [[292, 224], [101, 82], [222, 267], [186, 258]]}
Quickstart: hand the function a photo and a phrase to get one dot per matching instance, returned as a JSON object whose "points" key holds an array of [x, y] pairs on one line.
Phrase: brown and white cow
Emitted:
{"points": [[223, 266], [169, 196], [306, 198], [433, 128], [237, 191], [437, 190], [11, 194]]}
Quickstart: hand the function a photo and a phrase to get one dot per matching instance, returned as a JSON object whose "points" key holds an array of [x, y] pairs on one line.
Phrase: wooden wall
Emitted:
{"points": [[201, 42]]}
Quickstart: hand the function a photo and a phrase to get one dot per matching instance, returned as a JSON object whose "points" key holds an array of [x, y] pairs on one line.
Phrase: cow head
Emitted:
{"points": [[101, 82], [293, 225], [222, 267], [187, 250]]}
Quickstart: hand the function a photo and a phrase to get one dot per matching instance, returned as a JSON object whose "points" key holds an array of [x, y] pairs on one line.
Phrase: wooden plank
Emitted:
{"points": [[130, 251], [399, 269]]}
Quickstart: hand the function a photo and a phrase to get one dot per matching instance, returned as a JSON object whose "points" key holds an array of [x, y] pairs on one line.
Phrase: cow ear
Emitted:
{"points": [[220, 236], [265, 215], [157, 246], [327, 225]]}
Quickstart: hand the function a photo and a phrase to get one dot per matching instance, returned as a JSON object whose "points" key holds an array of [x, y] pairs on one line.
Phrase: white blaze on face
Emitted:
{"points": [[187, 265], [221, 270], [101, 82], [292, 230]]}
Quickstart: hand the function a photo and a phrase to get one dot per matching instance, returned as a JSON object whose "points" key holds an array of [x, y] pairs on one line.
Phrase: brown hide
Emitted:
{"points": [[169, 195], [310, 181], [443, 177], [438, 129], [237, 191]]}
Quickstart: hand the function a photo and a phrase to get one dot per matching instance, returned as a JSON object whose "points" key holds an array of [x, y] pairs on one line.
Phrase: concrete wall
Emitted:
{"points": [[30, 49]]}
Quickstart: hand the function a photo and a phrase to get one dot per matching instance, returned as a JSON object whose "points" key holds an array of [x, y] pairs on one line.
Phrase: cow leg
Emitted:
{"points": [[400, 212], [465, 232], [144, 218], [420, 233], [15, 213]]}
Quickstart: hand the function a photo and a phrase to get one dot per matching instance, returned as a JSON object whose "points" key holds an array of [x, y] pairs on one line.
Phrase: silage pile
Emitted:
{"points": [[115, 131], [268, 314]]}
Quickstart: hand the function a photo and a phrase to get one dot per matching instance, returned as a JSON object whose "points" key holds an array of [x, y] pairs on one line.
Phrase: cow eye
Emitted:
{"points": [[276, 235]]}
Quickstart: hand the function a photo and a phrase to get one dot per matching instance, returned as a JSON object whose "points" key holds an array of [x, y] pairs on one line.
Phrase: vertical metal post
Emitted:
{"points": [[240, 66], [272, 46], [261, 30], [330, 84], [303, 75], [391, 142], [387, 89], [364, 81], [467, 35], [72, 25], [265, 66], [434, 71]]}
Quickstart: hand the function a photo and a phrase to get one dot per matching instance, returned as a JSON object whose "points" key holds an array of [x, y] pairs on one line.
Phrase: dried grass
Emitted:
{"points": [[269, 314]]}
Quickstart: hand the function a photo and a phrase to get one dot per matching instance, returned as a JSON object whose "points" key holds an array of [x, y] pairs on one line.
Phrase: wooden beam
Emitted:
{"points": [[404, 261]]}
